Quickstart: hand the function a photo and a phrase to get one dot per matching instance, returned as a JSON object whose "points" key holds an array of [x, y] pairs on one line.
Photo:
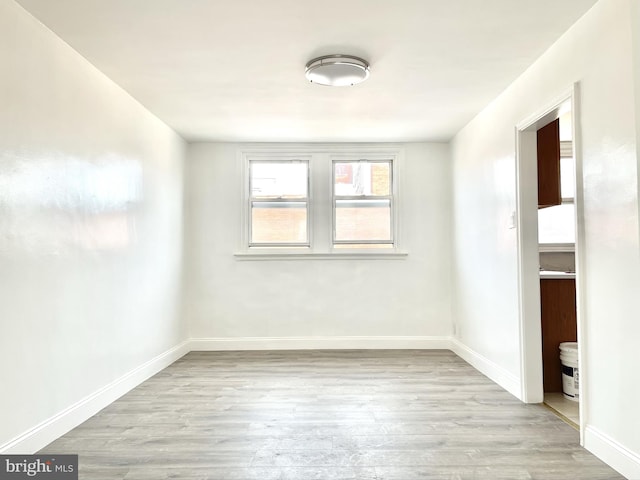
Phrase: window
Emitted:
{"points": [[362, 203], [320, 201], [279, 203]]}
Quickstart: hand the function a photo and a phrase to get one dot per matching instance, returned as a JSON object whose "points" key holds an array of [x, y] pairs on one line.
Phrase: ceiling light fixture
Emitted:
{"points": [[337, 70]]}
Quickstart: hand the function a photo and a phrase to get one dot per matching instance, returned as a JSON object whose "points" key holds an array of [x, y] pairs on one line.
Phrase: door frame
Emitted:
{"points": [[528, 249]]}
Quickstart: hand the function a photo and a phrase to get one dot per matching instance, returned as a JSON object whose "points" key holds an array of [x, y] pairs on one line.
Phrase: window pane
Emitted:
{"points": [[363, 220], [279, 222], [279, 180], [557, 224], [362, 178]]}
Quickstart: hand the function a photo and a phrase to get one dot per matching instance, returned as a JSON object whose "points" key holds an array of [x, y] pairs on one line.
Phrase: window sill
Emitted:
{"points": [[261, 256]]}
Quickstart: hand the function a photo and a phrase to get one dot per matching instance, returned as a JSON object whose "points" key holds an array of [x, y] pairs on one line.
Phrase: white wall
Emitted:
{"points": [[90, 230], [231, 299], [635, 26], [597, 52], [91, 235]]}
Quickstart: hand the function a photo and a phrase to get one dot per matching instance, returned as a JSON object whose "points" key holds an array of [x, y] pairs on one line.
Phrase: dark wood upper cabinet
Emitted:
{"points": [[549, 165]]}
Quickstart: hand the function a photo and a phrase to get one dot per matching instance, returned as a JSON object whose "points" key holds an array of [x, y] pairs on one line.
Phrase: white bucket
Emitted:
{"points": [[570, 376]]}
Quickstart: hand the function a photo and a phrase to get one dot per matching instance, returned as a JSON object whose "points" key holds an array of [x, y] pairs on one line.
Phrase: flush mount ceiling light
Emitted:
{"points": [[337, 70]]}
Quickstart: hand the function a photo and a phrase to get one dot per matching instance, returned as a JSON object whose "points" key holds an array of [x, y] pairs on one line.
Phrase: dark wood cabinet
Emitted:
{"points": [[558, 314], [548, 147]]}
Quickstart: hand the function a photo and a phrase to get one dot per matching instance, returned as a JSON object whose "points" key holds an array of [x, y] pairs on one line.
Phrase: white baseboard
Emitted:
{"points": [[623, 460], [44, 433], [318, 343], [504, 378], [618, 457]]}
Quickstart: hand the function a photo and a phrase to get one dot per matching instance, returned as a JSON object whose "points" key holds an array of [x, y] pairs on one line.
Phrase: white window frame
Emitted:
{"points": [[320, 208], [391, 198], [252, 200], [274, 156]]}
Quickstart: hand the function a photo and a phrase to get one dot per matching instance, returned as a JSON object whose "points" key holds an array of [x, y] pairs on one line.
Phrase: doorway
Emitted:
{"points": [[534, 371]]}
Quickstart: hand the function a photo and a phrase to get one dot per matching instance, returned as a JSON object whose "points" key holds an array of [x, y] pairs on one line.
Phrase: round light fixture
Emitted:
{"points": [[337, 70]]}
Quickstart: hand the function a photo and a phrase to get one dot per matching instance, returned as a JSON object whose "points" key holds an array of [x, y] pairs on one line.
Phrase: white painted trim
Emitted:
{"points": [[269, 156], [530, 333], [370, 255], [504, 378], [580, 261], [396, 159], [618, 457], [320, 195], [44, 433], [611, 452], [608, 450], [49, 430], [319, 343], [528, 248], [549, 112]]}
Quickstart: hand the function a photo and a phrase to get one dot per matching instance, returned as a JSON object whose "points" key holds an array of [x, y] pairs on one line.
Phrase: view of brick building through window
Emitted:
{"points": [[363, 207], [279, 203], [279, 224]]}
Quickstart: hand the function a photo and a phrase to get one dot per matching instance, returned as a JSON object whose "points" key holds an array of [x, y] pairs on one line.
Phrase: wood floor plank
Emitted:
{"points": [[370, 415]]}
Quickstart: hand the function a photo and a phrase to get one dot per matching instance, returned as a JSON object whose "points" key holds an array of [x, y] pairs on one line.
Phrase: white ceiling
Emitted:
{"points": [[233, 70]]}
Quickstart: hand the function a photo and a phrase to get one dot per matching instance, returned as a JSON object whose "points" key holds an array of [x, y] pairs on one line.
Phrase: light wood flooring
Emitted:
{"points": [[385, 414]]}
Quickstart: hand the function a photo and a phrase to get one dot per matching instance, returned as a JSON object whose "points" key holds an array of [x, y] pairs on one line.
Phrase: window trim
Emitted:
{"points": [[252, 200], [336, 198], [320, 178]]}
